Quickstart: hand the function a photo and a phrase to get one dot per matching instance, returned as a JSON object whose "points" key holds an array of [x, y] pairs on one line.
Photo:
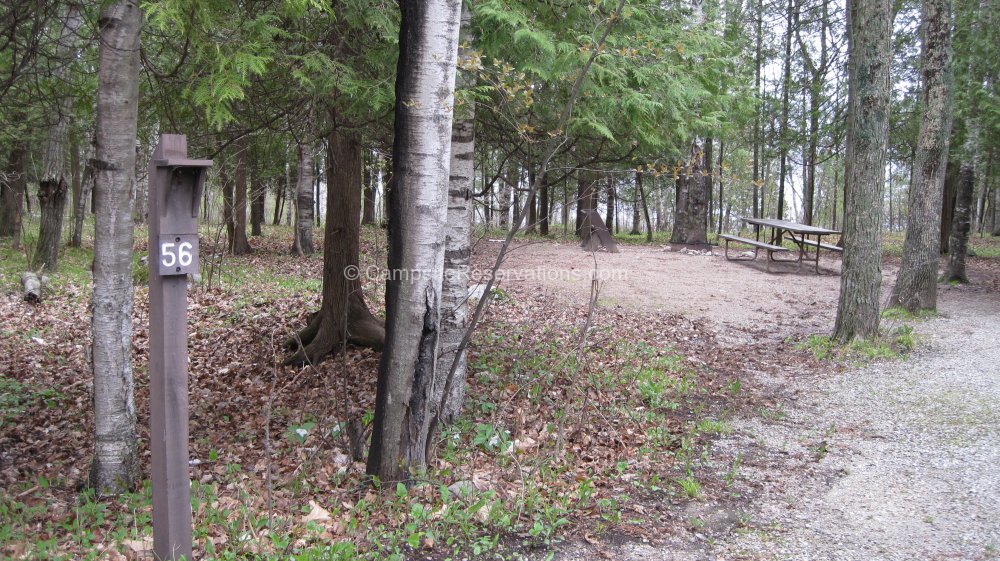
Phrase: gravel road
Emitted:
{"points": [[897, 460], [903, 457]]}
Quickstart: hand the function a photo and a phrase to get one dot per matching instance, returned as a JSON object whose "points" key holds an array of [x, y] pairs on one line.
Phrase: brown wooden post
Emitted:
{"points": [[175, 185]]}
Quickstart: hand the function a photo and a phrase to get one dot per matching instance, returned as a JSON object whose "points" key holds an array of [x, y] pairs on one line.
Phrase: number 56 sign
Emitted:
{"points": [[178, 254]]}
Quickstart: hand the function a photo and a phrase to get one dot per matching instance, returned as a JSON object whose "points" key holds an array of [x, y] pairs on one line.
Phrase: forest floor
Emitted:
{"points": [[692, 422]]}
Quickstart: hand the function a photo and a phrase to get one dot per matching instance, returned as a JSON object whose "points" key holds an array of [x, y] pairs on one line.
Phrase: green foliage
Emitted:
{"points": [[821, 346], [887, 347], [690, 486]]}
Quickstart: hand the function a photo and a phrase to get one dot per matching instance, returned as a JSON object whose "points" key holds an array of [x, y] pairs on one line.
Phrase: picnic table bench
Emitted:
{"points": [[826, 246], [799, 234], [757, 245]]}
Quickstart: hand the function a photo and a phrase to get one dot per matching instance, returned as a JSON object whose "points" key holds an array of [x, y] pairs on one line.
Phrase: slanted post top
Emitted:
{"points": [[172, 152], [171, 146]]}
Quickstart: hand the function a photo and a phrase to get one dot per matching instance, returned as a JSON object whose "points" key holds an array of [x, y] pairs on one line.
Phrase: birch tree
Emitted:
{"points": [[115, 465], [303, 243], [458, 236], [425, 86]]}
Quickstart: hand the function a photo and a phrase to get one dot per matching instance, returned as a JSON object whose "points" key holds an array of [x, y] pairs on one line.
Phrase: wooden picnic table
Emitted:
{"points": [[800, 234]]}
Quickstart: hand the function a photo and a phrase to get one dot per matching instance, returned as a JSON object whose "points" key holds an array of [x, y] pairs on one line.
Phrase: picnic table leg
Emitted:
{"points": [[819, 242]]}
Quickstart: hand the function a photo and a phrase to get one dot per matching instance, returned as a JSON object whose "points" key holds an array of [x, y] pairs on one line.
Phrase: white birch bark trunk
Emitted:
{"points": [[115, 466], [425, 85], [458, 237], [303, 243]]}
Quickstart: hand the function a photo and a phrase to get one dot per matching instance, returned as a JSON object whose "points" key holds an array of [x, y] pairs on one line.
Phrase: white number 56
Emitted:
{"points": [[182, 256]]}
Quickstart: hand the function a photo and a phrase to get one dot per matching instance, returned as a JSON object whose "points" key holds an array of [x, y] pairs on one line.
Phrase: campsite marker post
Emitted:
{"points": [[175, 187]]}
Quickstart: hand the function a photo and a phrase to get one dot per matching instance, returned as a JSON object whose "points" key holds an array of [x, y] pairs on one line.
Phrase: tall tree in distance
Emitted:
{"points": [[238, 242], [786, 86], [421, 155], [817, 77], [53, 186], [691, 201], [916, 284], [343, 314], [13, 182], [961, 224], [303, 240], [869, 59], [115, 466], [371, 163]]}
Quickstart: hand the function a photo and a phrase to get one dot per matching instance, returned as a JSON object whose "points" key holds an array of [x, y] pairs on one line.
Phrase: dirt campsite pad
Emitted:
{"points": [[734, 296]]}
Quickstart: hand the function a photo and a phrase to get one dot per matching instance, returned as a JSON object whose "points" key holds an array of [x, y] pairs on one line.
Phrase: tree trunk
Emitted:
{"points": [[458, 239], [785, 91], [228, 191], [425, 84], [722, 155], [833, 192], [585, 189], [951, 181], [238, 242], [961, 225], [515, 190], [709, 180], [757, 183], [12, 195], [544, 208], [52, 203], [565, 207], [531, 226], [817, 79], [645, 206], [115, 466], [610, 222], [890, 183], [343, 312], [279, 192], [916, 284], [302, 244], [289, 199], [870, 57], [52, 185], [319, 208], [996, 210], [690, 218], [636, 206], [984, 197], [370, 177], [257, 192], [962, 221], [503, 208], [76, 183], [80, 208]]}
